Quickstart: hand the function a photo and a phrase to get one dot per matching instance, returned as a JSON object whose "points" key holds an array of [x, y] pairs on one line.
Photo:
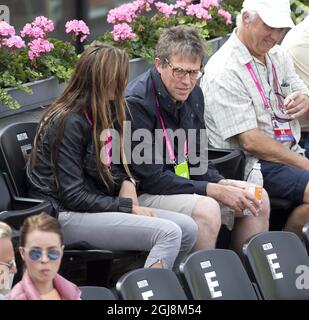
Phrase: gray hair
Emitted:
{"points": [[5, 231], [179, 40], [252, 15]]}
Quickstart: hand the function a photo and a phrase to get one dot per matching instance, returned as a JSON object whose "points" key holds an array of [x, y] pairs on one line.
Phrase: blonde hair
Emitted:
{"points": [[5, 231]]}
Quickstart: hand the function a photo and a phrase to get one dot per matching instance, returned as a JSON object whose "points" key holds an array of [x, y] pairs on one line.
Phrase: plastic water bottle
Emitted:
{"points": [[255, 185]]}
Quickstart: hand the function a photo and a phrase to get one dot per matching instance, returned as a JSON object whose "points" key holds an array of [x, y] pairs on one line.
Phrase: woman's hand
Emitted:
{"points": [[142, 211]]}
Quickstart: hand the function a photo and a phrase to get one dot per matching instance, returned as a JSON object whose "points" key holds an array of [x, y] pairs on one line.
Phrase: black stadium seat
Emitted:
{"points": [[306, 235], [216, 275], [150, 284], [275, 261], [96, 293]]}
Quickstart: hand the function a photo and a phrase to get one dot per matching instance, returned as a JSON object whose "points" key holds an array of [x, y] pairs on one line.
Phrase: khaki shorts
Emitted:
{"points": [[183, 203]]}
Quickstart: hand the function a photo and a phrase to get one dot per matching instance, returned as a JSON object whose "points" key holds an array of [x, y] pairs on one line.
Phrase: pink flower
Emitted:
{"points": [[39, 46], [14, 41], [207, 4], [182, 4], [141, 6], [6, 29], [32, 31], [227, 16], [198, 11], [123, 32], [77, 27], [167, 10], [123, 13], [45, 24]]}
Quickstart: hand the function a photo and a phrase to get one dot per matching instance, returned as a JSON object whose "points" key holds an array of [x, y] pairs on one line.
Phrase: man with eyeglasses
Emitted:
{"points": [[166, 109], [7, 260], [253, 99]]}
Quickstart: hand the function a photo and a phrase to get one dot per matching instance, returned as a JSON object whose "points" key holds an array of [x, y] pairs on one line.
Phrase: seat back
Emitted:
{"points": [[306, 235], [274, 260], [16, 141], [230, 163], [150, 284], [216, 275], [96, 293], [6, 200]]}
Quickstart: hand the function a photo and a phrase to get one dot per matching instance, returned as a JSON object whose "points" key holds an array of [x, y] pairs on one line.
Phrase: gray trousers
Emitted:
{"points": [[167, 237]]}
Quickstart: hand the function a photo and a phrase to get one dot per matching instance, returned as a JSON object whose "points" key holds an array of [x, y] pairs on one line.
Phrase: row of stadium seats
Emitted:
{"points": [[277, 265]]}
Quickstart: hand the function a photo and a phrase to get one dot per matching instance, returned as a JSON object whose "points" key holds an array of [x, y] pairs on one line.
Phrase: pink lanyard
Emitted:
{"points": [[108, 144], [258, 86], [167, 140]]}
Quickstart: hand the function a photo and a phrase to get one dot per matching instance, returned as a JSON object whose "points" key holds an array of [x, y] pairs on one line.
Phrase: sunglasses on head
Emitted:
{"points": [[36, 254]]}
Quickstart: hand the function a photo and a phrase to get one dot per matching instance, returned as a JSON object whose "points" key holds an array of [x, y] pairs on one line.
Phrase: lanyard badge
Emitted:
{"points": [[282, 129], [181, 169]]}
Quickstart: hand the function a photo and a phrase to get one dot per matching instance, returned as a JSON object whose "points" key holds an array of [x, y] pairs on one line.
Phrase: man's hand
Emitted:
{"points": [[235, 183], [296, 104], [143, 211], [236, 198]]}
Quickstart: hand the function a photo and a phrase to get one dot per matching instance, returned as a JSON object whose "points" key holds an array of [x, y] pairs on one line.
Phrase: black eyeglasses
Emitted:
{"points": [[280, 115], [36, 254], [180, 72], [10, 264]]}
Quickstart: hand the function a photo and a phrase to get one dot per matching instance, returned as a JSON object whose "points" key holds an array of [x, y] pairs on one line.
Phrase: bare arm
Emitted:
{"points": [[128, 190], [264, 147]]}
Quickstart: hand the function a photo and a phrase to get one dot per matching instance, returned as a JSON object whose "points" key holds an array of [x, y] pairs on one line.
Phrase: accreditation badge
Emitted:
{"points": [[182, 170], [282, 131]]}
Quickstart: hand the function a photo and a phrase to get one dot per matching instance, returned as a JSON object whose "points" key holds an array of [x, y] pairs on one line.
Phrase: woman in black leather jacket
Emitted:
{"points": [[71, 166]]}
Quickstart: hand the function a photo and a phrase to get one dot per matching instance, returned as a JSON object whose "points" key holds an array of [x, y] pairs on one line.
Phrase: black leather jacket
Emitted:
{"points": [[80, 187]]}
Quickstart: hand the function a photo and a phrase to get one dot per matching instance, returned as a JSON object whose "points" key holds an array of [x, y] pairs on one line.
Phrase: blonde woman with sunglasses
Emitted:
{"points": [[41, 248], [7, 260]]}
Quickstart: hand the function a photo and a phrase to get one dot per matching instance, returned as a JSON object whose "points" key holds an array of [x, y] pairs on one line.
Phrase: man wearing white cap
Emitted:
{"points": [[249, 86]]}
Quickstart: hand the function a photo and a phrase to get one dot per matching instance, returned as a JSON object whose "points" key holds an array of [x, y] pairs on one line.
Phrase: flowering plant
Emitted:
{"points": [[34, 56], [138, 25]]}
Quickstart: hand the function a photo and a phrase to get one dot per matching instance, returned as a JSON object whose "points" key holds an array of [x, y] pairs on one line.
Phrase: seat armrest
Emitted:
{"points": [[20, 203], [229, 162], [15, 218]]}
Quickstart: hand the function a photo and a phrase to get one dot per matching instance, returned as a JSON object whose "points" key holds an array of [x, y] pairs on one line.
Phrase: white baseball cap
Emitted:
{"points": [[275, 13]]}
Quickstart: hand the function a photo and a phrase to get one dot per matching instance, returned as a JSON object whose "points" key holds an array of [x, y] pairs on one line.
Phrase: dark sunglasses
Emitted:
{"points": [[36, 254]]}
